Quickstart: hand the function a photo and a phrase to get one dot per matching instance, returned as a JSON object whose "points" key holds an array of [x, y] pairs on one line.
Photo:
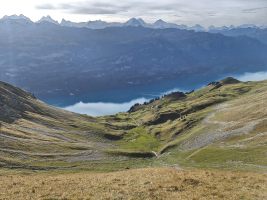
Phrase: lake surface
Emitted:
{"points": [[111, 102]]}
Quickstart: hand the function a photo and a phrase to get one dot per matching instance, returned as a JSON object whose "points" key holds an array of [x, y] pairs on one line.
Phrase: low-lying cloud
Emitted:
{"points": [[101, 108], [86, 8], [257, 76]]}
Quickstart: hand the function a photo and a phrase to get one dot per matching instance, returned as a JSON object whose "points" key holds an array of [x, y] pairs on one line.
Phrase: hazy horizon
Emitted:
{"points": [[203, 12], [126, 20]]}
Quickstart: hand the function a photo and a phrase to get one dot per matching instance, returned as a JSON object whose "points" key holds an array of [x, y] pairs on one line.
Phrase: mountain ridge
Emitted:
{"points": [[177, 128], [160, 24], [138, 60]]}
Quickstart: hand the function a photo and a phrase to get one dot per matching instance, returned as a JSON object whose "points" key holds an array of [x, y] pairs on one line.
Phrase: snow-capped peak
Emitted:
{"points": [[66, 23], [135, 22], [48, 19], [247, 26], [160, 24], [160, 21], [16, 17]]}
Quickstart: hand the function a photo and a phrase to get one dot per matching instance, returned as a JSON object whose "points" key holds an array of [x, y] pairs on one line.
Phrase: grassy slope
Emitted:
{"points": [[48, 138], [37, 136], [203, 138], [50, 151], [153, 183], [235, 135]]}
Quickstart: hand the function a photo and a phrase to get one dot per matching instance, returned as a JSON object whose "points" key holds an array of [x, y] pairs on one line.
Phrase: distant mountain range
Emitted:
{"points": [[134, 22], [250, 31], [64, 62]]}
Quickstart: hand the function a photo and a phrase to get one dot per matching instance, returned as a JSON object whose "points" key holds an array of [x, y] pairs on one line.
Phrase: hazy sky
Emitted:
{"points": [[205, 12]]}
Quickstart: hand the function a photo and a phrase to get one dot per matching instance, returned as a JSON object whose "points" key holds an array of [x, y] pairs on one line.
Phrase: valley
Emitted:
{"points": [[204, 143], [133, 100], [63, 65], [166, 130]]}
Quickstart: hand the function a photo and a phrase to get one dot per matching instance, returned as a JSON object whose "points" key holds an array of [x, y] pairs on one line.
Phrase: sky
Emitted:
{"points": [[189, 12]]}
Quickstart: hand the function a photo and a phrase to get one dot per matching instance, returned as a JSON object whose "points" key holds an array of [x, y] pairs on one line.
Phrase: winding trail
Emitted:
{"points": [[222, 131]]}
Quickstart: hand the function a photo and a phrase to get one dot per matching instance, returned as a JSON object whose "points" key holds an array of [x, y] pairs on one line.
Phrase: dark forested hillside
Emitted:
{"points": [[55, 61]]}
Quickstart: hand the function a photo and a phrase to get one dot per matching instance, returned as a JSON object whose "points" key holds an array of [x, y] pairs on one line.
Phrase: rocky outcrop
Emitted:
{"points": [[14, 102], [229, 80], [174, 96]]}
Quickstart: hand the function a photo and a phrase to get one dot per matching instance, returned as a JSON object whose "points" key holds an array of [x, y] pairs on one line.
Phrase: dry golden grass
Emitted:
{"points": [[151, 183]]}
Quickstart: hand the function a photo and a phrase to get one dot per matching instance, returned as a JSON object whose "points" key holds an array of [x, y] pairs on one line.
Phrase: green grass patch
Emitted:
{"points": [[138, 139], [234, 158]]}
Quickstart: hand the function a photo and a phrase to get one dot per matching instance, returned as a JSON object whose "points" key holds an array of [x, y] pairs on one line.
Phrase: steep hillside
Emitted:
{"points": [[33, 134], [222, 125]]}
